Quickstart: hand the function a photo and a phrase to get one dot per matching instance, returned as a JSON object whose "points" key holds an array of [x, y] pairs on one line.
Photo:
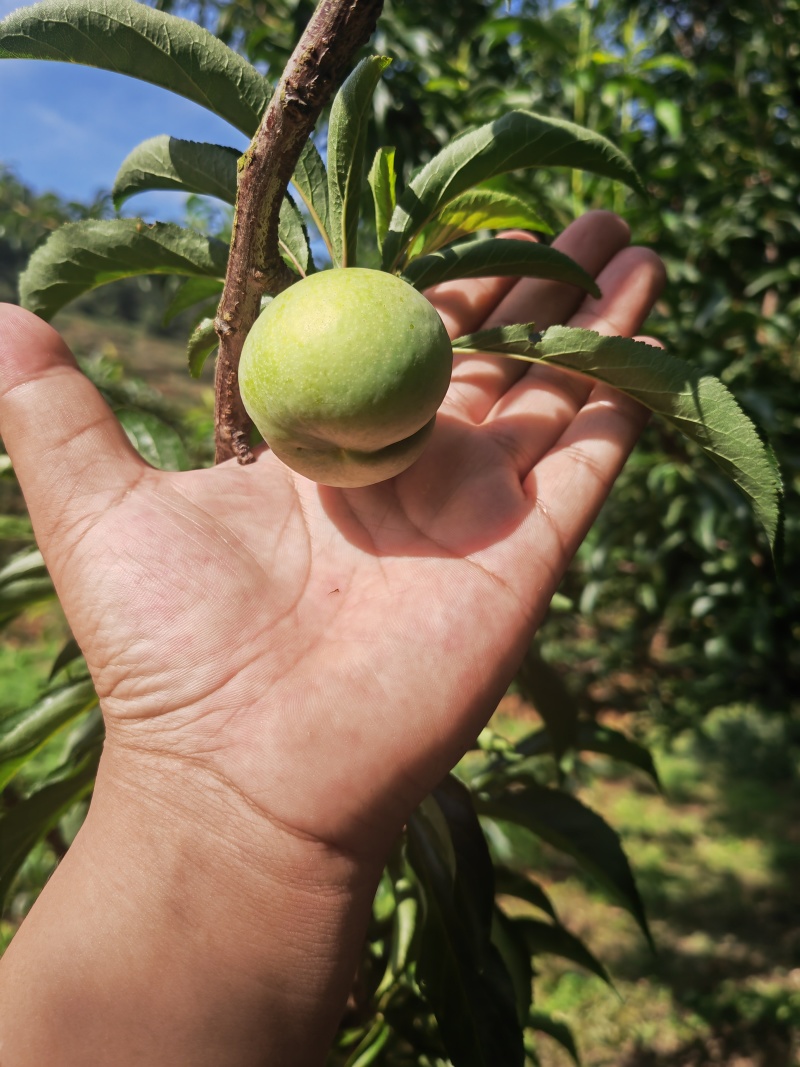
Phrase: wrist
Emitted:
{"points": [[183, 918]]}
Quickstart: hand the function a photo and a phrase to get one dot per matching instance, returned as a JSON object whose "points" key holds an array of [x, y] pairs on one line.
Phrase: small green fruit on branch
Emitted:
{"points": [[335, 33], [343, 374]]}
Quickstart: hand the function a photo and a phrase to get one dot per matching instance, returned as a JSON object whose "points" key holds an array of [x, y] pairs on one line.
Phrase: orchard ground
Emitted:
{"points": [[717, 857]]}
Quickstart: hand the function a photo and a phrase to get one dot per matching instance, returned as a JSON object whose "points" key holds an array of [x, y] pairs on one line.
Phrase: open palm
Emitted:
{"points": [[328, 653]]}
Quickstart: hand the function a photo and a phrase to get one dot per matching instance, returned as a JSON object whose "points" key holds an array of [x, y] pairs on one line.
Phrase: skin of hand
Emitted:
{"points": [[285, 671]]}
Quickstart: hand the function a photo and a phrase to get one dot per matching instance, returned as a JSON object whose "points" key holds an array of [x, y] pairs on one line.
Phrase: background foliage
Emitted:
{"points": [[672, 610]]}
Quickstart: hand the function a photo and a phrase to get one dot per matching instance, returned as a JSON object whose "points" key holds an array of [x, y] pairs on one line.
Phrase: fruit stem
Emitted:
{"points": [[333, 36]]}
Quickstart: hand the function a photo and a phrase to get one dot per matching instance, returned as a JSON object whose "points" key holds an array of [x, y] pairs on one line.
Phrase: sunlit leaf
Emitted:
{"points": [[383, 182], [23, 732], [131, 38], [347, 133], [293, 238], [81, 256], [202, 342], [24, 581], [165, 162], [153, 439], [694, 402], [310, 179], [520, 139], [479, 209], [491, 257]]}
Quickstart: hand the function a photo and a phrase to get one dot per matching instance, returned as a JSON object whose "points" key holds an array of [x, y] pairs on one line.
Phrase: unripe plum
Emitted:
{"points": [[343, 373]]}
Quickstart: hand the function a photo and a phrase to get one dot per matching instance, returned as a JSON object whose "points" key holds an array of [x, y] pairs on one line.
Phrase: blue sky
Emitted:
{"points": [[66, 128]]}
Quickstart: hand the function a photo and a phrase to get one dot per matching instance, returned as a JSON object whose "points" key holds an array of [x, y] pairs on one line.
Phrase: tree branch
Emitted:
{"points": [[337, 30]]}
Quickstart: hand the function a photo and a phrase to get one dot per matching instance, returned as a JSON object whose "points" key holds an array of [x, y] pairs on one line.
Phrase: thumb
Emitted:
{"points": [[69, 452]]}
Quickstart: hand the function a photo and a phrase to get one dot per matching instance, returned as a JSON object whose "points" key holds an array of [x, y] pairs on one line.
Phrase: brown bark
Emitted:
{"points": [[335, 33]]}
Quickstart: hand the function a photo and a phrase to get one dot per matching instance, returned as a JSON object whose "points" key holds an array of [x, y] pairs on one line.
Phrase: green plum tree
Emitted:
{"points": [[422, 979]]}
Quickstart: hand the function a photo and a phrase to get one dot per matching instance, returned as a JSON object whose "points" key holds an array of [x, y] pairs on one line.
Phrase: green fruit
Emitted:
{"points": [[343, 373]]}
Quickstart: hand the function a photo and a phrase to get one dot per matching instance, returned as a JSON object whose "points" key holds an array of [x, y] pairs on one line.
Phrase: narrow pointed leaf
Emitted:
{"points": [[156, 442], [593, 737], [520, 139], [68, 654], [81, 256], [480, 209], [131, 38], [559, 1032], [191, 292], [30, 819], [347, 133], [567, 824], [166, 162], [491, 257], [694, 402], [515, 884], [310, 179], [555, 940], [542, 685], [293, 238], [15, 528], [23, 581], [517, 959], [462, 974], [24, 732], [382, 179], [202, 343]]}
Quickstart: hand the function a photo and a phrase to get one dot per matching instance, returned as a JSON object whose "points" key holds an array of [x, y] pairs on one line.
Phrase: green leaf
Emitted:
{"points": [[23, 581], [310, 179], [131, 38], [190, 292], [166, 162], [520, 139], [293, 238], [15, 528], [559, 1032], [461, 973], [27, 821], [370, 1048], [81, 256], [555, 940], [690, 400], [382, 179], [567, 824], [512, 883], [542, 685], [23, 732], [669, 115], [347, 134], [202, 343], [592, 737], [517, 961], [491, 257], [68, 654], [153, 439], [480, 209]]}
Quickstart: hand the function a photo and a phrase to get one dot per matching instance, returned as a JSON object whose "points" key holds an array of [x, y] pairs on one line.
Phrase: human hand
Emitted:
{"points": [[311, 661]]}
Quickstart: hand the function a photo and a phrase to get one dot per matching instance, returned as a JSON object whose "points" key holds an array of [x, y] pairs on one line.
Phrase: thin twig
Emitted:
{"points": [[337, 30]]}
